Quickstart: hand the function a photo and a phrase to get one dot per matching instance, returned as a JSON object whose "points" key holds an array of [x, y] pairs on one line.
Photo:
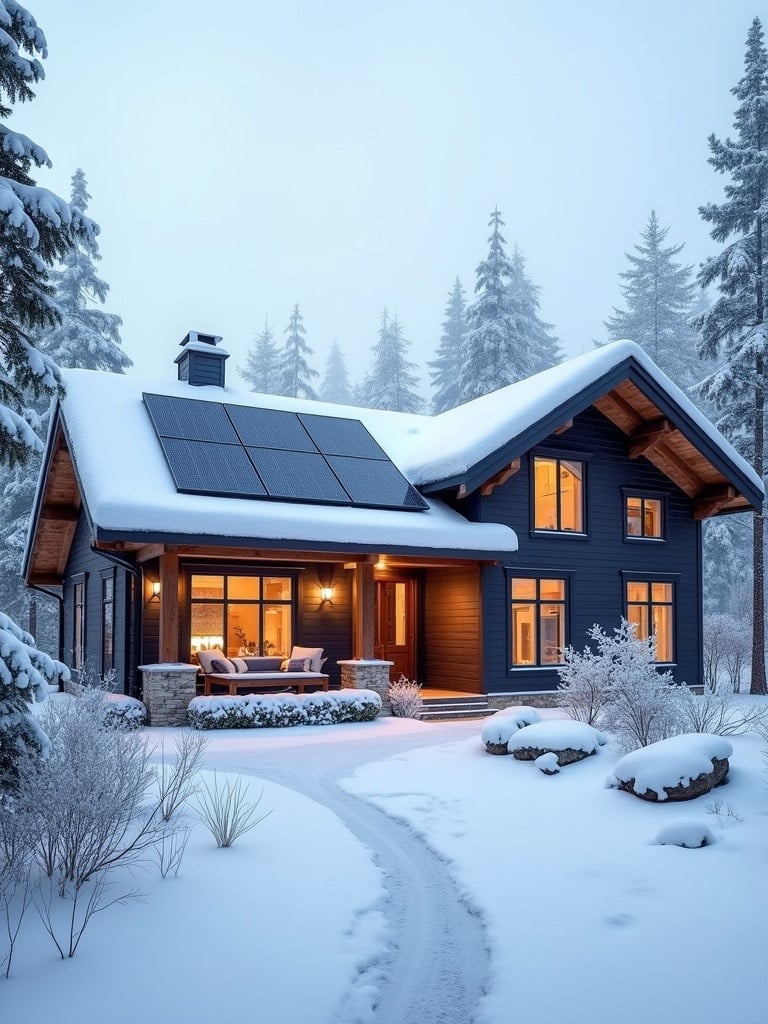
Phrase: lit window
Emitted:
{"points": [[558, 495], [243, 615], [643, 517], [538, 621], [107, 624], [78, 625], [650, 608]]}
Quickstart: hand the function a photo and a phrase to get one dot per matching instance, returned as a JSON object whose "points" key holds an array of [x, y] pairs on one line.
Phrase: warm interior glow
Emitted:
{"points": [[207, 643], [558, 495], [649, 607], [155, 590], [644, 517], [326, 593], [538, 621]]}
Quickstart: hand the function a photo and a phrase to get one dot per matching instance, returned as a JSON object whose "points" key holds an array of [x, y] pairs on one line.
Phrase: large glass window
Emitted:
{"points": [[78, 625], [558, 496], [242, 615], [538, 621], [650, 607], [107, 623], [644, 517]]}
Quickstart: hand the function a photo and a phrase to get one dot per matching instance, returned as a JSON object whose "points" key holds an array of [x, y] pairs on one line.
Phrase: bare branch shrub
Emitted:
{"points": [[405, 698], [15, 876], [585, 683], [226, 812], [169, 850], [721, 713], [726, 651], [178, 781]]}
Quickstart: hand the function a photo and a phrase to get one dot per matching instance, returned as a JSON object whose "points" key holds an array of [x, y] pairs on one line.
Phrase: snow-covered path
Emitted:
{"points": [[438, 958]]}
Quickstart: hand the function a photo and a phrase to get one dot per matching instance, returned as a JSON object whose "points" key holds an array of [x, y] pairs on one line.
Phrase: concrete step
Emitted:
{"points": [[453, 714]]}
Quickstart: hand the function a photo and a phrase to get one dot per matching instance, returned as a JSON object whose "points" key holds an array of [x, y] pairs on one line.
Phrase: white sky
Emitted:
{"points": [[347, 154]]}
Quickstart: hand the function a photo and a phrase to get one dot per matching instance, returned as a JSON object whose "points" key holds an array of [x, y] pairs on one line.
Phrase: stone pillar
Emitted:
{"points": [[368, 674], [168, 689]]}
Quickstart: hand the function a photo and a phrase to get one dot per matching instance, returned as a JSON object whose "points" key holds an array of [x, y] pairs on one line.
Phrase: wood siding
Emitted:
{"points": [[593, 565], [451, 629]]}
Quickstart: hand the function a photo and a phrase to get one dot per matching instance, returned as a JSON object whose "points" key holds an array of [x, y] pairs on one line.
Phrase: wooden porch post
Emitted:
{"points": [[169, 608], [362, 604]]}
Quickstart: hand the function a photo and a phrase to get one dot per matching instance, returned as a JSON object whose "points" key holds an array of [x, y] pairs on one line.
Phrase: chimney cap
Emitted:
{"points": [[197, 336]]}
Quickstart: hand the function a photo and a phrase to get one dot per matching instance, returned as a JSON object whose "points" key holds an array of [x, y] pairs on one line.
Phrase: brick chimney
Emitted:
{"points": [[201, 361]]}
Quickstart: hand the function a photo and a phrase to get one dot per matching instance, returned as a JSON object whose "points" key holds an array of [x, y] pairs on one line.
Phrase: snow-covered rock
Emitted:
{"points": [[570, 741], [504, 724], [678, 768], [547, 763], [686, 833]]}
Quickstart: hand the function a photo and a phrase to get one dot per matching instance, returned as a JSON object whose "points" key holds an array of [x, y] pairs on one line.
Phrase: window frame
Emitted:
{"points": [[108, 576], [519, 572], [644, 494], [79, 620], [629, 576], [559, 456]]}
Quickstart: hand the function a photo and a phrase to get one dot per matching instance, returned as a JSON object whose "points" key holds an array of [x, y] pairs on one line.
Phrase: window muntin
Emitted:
{"points": [[650, 607], [537, 621], [107, 624], [244, 615], [643, 517], [558, 502], [78, 626]]}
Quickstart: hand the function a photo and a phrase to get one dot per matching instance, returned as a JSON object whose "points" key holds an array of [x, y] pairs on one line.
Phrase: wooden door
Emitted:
{"points": [[395, 638]]}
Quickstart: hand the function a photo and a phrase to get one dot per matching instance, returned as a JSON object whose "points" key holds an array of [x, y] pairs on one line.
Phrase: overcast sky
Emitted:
{"points": [[243, 156]]}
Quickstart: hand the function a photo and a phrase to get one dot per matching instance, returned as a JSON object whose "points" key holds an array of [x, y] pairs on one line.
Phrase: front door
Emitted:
{"points": [[395, 638]]}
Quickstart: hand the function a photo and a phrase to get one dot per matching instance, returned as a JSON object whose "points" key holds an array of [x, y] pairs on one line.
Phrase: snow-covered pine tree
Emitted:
{"points": [[494, 352], [36, 229], [262, 363], [86, 337], [734, 329], [295, 372], [392, 382], [335, 386], [660, 298], [541, 345], [445, 368]]}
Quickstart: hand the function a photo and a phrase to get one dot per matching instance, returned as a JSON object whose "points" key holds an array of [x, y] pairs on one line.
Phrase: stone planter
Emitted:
{"points": [[364, 674], [168, 689]]}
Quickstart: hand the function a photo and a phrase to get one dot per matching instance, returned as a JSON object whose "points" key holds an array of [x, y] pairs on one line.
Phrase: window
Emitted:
{"points": [[558, 502], [650, 607], [107, 623], [243, 615], [78, 623], [643, 517], [538, 621]]}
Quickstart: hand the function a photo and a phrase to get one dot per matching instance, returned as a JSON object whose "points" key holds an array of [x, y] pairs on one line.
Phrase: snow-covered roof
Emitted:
{"points": [[128, 489]]}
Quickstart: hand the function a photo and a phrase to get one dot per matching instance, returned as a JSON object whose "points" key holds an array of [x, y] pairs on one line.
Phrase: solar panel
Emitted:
{"points": [[298, 476], [376, 483], [270, 428], [190, 419], [335, 435], [203, 467]]}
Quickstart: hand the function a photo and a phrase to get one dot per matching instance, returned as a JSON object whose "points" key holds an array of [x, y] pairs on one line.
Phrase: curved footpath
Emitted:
{"points": [[438, 959]]}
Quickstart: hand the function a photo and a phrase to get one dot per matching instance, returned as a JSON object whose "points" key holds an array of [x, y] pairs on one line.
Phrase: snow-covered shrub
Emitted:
{"points": [[25, 673], [727, 647], [619, 686], [405, 698], [122, 712], [226, 812], [691, 835], [723, 713], [265, 711]]}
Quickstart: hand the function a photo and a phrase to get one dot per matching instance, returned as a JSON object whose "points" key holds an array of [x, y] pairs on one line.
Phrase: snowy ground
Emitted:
{"points": [[580, 916]]}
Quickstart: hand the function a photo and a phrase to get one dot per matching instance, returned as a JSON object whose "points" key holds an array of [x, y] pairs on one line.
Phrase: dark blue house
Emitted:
{"points": [[467, 548]]}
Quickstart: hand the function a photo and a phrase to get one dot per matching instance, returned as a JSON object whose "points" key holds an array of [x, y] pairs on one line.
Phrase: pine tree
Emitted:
{"points": [[392, 382], [36, 229], [660, 297], [295, 372], [262, 363], [335, 386], [495, 354], [85, 337], [735, 328], [541, 346], [445, 368]]}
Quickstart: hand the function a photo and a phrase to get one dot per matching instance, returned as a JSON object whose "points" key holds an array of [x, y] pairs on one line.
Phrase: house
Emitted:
{"points": [[467, 548]]}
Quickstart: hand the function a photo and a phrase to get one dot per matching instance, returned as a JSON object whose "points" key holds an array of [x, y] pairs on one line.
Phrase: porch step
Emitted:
{"points": [[445, 709]]}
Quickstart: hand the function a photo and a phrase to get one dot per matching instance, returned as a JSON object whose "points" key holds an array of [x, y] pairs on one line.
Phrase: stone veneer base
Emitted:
{"points": [[167, 691], [368, 675]]}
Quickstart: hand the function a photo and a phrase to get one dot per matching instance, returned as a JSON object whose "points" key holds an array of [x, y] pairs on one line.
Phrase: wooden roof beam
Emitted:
{"points": [[649, 436], [711, 501], [59, 514], [619, 411], [501, 477], [677, 470]]}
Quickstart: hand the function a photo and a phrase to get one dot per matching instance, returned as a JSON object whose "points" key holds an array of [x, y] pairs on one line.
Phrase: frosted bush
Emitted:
{"points": [[585, 681], [405, 698], [276, 711]]}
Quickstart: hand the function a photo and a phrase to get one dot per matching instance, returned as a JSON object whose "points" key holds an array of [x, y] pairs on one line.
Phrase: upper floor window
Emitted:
{"points": [[538, 621], [558, 496], [650, 607], [644, 517]]}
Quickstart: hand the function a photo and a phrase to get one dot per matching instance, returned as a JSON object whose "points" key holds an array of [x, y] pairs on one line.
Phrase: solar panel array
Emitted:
{"points": [[244, 452]]}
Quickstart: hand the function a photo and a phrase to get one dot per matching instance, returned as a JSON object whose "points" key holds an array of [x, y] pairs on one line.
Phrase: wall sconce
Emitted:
{"points": [[155, 587], [326, 595]]}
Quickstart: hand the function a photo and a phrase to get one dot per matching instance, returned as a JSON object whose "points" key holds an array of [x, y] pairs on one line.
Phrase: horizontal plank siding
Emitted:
{"points": [[328, 625], [593, 565], [451, 626]]}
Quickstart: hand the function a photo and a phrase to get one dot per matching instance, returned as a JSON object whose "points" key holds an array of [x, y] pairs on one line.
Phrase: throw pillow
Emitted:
{"points": [[313, 653], [224, 666], [240, 664], [295, 665]]}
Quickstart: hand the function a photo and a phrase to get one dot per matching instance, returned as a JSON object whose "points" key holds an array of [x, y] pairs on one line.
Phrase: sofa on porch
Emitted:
{"points": [[253, 675]]}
